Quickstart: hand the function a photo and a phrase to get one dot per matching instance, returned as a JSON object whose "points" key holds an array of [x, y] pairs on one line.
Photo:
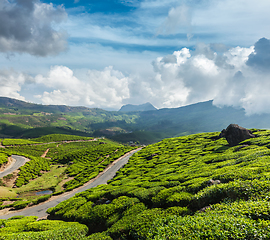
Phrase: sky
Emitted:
{"points": [[107, 53]]}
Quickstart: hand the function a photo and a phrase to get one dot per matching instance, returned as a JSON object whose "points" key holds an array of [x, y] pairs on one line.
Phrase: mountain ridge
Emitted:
{"points": [[21, 119], [141, 108]]}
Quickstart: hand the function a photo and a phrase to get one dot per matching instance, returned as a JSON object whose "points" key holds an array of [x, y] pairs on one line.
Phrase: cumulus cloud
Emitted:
{"points": [[230, 78], [105, 88], [178, 17], [260, 58], [11, 82], [26, 26], [236, 77]]}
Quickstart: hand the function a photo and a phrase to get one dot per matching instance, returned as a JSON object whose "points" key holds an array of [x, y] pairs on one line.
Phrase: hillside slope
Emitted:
{"points": [[192, 187], [26, 120]]}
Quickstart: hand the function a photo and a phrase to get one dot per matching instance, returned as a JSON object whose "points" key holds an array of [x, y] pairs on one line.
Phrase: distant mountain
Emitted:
{"points": [[141, 108], [131, 123]]}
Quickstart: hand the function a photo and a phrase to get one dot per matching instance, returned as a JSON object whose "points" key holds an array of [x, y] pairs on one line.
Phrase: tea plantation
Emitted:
{"points": [[22, 228], [192, 187], [70, 162]]}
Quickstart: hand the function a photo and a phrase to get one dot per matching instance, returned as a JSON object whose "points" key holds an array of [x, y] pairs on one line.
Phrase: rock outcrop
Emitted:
{"points": [[235, 134]]}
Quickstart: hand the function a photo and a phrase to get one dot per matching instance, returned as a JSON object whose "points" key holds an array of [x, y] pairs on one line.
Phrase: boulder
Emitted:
{"points": [[213, 182], [151, 156], [235, 134]]}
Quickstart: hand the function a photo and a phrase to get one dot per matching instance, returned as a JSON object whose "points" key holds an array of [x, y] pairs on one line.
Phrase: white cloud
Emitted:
{"points": [[237, 77], [27, 27], [179, 18], [105, 88], [11, 82], [187, 77]]}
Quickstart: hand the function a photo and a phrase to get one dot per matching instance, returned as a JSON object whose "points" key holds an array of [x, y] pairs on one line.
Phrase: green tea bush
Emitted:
{"points": [[88, 163], [41, 199], [13, 142], [233, 191], [3, 158], [20, 204], [31, 170], [28, 228], [59, 138], [258, 209], [211, 226], [173, 181], [99, 236]]}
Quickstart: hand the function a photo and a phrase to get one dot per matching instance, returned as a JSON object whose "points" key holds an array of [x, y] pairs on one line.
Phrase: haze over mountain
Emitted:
{"points": [[142, 107], [21, 119]]}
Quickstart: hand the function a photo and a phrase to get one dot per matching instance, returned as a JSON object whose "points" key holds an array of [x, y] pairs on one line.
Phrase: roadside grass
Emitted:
{"points": [[7, 192], [60, 186], [48, 180]]}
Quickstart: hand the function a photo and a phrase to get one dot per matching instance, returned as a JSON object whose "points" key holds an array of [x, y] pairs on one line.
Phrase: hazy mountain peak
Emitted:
{"points": [[142, 107]]}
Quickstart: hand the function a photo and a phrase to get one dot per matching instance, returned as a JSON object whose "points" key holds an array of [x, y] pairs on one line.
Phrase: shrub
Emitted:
{"points": [[99, 236], [210, 226], [28, 228], [41, 199], [20, 204]]}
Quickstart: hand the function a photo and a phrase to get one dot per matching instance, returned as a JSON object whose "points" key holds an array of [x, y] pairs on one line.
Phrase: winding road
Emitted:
{"points": [[19, 161], [102, 178]]}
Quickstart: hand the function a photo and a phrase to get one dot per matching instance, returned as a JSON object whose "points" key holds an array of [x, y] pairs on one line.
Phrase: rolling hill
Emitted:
{"points": [[23, 120], [189, 187]]}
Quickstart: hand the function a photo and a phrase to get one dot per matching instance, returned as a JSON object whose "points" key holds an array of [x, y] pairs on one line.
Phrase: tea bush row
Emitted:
{"points": [[3, 158], [28, 228], [32, 170], [60, 138], [88, 163], [13, 142], [32, 150], [174, 177]]}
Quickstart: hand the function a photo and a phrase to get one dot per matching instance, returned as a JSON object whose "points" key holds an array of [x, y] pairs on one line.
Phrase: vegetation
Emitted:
{"points": [[64, 165], [24, 120], [22, 228], [11, 142], [87, 163], [3, 158], [192, 187], [60, 138], [48, 180], [30, 150], [32, 170]]}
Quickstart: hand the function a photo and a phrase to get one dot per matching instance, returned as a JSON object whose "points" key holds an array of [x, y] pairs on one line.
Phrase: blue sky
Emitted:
{"points": [[113, 52]]}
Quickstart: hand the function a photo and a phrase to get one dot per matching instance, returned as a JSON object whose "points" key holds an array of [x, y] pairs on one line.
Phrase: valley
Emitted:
{"points": [[98, 188], [19, 119]]}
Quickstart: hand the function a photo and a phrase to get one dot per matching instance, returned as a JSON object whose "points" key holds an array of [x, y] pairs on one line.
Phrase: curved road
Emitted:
{"points": [[19, 161], [107, 174]]}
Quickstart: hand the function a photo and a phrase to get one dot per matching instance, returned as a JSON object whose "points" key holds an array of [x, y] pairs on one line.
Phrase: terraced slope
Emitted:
{"points": [[60, 165], [192, 187]]}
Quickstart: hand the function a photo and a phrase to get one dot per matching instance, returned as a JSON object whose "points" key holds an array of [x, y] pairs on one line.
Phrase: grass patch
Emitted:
{"points": [[7, 192], [47, 181]]}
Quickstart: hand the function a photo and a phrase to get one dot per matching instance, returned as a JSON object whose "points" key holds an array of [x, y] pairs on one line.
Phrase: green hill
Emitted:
{"points": [[19, 119], [192, 187]]}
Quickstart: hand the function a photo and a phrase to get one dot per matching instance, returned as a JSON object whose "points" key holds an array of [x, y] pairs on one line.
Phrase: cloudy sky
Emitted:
{"points": [[106, 53]]}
